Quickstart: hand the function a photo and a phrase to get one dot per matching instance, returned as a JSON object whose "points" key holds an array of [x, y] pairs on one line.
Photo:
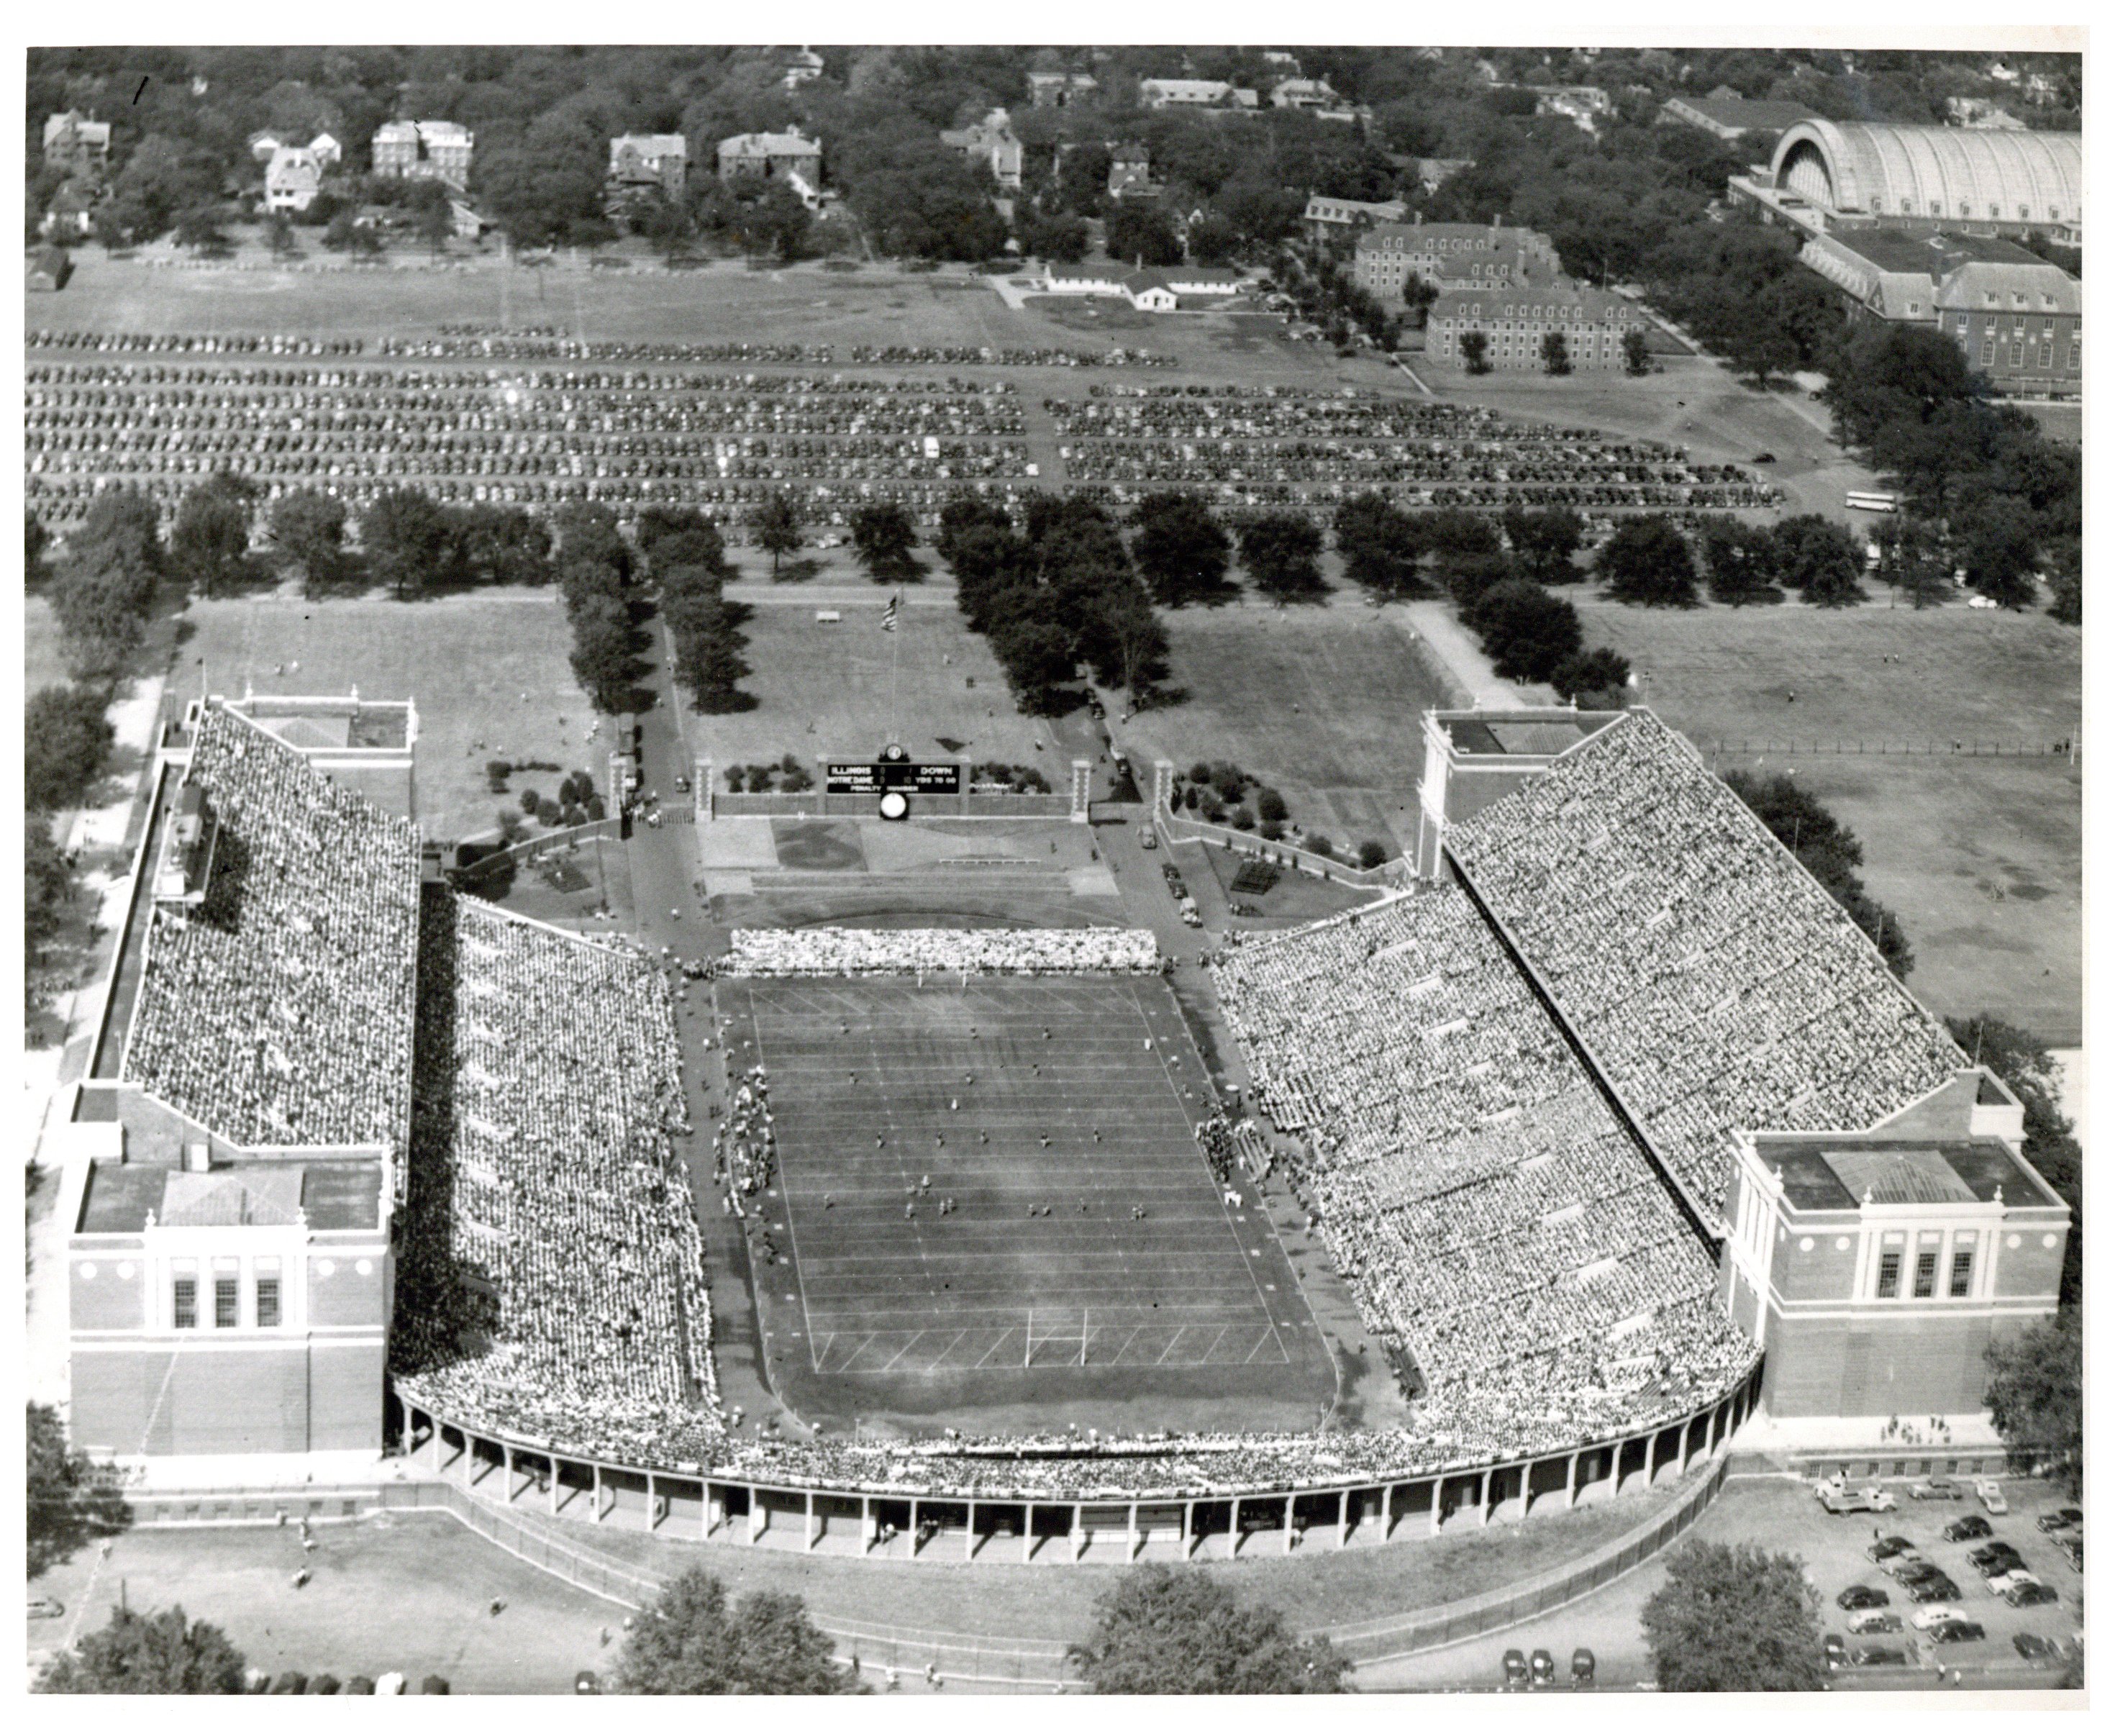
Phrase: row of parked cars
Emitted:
{"points": [[1932, 1590], [1537, 1669]]}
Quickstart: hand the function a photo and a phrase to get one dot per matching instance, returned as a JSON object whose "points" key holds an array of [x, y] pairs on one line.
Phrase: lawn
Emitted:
{"points": [[488, 672], [1324, 704], [1979, 856]]}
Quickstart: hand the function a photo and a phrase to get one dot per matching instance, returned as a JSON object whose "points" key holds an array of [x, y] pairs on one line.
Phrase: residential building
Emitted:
{"points": [[638, 161], [1130, 173], [990, 142], [763, 154], [71, 213], [1726, 115], [803, 67], [1515, 317], [328, 151], [1193, 93], [1584, 105], [48, 269], [1827, 176], [292, 179], [1303, 92], [74, 143], [264, 146], [1389, 254], [424, 150], [1324, 216], [1059, 89]]}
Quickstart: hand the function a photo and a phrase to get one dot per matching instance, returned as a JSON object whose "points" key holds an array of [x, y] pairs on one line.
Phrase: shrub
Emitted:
{"points": [[1200, 773], [498, 770], [325, 1683], [467, 854], [576, 815], [1320, 844], [360, 1684], [1244, 820], [797, 779], [595, 808], [1270, 806], [289, 1682], [1372, 853], [1189, 796], [530, 800], [735, 774], [1273, 830]]}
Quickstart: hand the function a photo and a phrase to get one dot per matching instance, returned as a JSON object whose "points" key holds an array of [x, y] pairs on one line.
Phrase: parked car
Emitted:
{"points": [[1861, 1597], [1887, 1549], [1542, 1668], [1986, 1490], [2001, 1583], [1874, 1657], [1834, 1653], [1582, 1667], [1838, 1499], [1875, 1621], [1996, 1555], [1935, 1489], [1955, 1633], [45, 1609], [1934, 1591], [1932, 1617], [1764, 458], [1516, 1667], [2034, 1649], [1966, 1527], [2025, 1595], [1909, 1569], [2064, 1518], [2074, 1551]]}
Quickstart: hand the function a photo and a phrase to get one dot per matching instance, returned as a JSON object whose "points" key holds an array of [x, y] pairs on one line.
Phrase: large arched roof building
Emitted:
{"points": [[1875, 172]]}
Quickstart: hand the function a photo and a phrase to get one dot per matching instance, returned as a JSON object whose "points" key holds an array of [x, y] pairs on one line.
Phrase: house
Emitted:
{"points": [[1583, 105], [991, 142], [1130, 173], [764, 154], [328, 151], [1282, 61], [1515, 318], [1389, 254], [292, 179], [264, 146], [803, 67], [49, 268], [2017, 319], [71, 212], [1193, 93], [641, 160], [1973, 113], [469, 225], [1732, 116], [1059, 89], [423, 150], [1303, 92], [1324, 216], [74, 142]]}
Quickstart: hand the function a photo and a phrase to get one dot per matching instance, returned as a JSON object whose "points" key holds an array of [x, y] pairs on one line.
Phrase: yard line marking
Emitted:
{"points": [[1165, 1354], [818, 1351], [935, 1363], [899, 1354], [1126, 1345], [1006, 1332]]}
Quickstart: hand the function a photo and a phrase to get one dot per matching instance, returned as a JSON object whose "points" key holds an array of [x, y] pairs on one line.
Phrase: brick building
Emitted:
{"points": [[77, 145], [639, 161], [1728, 116], [763, 155], [424, 150], [231, 1160], [1390, 254], [1325, 216], [1515, 318]]}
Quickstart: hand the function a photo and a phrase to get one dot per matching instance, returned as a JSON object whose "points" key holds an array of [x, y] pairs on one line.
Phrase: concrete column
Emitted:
{"points": [[1571, 1485], [597, 1495], [1388, 1510], [702, 786], [755, 1514], [914, 1529], [1027, 1532], [809, 1542], [507, 1470], [1438, 1496], [1079, 1532], [970, 1536], [1343, 1517], [1082, 787], [1483, 1498], [1288, 1523], [962, 802], [1189, 1528], [1234, 1531], [715, 1511], [1132, 1553], [554, 1484]]}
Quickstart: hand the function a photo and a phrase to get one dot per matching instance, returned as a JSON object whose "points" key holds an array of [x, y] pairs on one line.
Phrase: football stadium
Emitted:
{"points": [[1541, 1100]]}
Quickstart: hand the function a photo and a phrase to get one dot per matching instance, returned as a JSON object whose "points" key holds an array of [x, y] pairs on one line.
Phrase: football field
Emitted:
{"points": [[993, 1191]]}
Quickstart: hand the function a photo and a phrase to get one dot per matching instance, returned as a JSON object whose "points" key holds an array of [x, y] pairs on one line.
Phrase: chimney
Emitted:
{"points": [[1418, 221]]}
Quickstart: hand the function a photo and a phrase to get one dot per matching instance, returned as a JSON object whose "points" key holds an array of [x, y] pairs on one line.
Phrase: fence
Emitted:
{"points": [[815, 804], [1964, 750], [1180, 828]]}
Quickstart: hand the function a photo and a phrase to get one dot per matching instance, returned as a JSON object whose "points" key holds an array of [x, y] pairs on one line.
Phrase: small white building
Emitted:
{"points": [[1158, 290], [292, 179]]}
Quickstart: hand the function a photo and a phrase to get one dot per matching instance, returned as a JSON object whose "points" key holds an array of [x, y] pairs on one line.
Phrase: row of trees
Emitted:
{"points": [[688, 564], [1556, 347]]}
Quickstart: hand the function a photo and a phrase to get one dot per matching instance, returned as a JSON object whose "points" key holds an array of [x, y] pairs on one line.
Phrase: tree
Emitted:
{"points": [[709, 661], [66, 1504], [1740, 561], [774, 226], [1820, 560], [1527, 632], [1038, 658], [884, 535], [1556, 353], [2037, 1396], [776, 521], [1999, 553], [1182, 550], [1164, 1630], [601, 657], [1598, 677], [47, 890], [105, 588], [1476, 352], [1379, 546], [692, 1642], [406, 535], [1637, 358], [209, 543], [35, 539], [137, 1654], [309, 525], [66, 741], [1282, 551], [1648, 561], [1735, 1619], [1543, 541], [199, 229], [1139, 233], [279, 233]]}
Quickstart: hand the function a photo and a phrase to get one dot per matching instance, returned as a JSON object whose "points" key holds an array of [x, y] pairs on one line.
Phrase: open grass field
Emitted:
{"points": [[1323, 703], [1981, 857], [488, 672], [1142, 1282]]}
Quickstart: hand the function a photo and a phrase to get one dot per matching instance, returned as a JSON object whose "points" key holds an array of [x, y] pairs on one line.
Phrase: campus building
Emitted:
{"points": [[292, 179], [1193, 93], [1515, 318], [760, 155], [233, 1160], [991, 142], [1827, 176], [1059, 89], [424, 150], [1729, 116], [639, 161], [77, 145], [1390, 254], [1325, 216], [2017, 319], [1154, 292]]}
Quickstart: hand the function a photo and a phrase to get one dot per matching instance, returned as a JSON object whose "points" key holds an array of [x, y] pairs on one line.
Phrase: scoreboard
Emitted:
{"points": [[878, 777]]}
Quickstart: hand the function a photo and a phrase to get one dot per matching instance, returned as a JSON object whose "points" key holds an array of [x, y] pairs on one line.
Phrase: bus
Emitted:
{"points": [[1869, 500]]}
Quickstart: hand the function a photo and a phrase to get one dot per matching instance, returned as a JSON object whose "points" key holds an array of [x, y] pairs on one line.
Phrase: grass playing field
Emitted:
{"points": [[1979, 856], [1142, 1282]]}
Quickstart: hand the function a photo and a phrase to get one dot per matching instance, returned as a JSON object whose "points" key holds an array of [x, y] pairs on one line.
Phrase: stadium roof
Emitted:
{"points": [[1835, 1175], [279, 1012], [119, 1196], [1948, 173]]}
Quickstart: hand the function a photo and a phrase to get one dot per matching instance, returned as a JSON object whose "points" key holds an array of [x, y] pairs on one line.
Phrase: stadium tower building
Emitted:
{"points": [[232, 1158], [1858, 1177]]}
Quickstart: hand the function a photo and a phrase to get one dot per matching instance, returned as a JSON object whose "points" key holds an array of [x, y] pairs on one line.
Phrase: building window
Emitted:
{"points": [[1964, 1271], [1927, 1271], [1989, 351], [2016, 356], [1891, 1275], [227, 1303], [2074, 355], [2048, 356], [268, 1301], [183, 1303]]}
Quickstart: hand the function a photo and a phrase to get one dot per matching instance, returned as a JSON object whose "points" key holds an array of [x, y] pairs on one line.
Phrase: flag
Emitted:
{"points": [[888, 615]]}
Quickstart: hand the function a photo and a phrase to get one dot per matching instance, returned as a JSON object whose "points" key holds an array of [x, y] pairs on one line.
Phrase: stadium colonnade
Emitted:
{"points": [[935, 1523]]}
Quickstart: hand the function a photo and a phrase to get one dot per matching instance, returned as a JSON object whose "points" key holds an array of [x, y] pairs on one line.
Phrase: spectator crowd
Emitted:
{"points": [[941, 951]]}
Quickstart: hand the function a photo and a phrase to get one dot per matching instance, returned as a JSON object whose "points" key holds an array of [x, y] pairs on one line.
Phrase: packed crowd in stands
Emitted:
{"points": [[943, 952], [1717, 983], [278, 1012], [553, 1281]]}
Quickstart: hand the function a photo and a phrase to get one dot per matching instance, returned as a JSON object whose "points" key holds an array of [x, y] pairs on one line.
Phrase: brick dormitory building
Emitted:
{"points": [[1515, 317]]}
